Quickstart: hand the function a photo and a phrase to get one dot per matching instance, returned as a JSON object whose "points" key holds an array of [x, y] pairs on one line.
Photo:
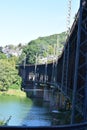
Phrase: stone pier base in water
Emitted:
{"points": [[48, 94]]}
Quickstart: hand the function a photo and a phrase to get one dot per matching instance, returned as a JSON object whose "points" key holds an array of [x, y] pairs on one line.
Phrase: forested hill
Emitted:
{"points": [[43, 47], [52, 39]]}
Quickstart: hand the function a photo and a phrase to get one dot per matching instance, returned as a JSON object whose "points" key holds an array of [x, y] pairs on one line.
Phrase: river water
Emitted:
{"points": [[25, 111]]}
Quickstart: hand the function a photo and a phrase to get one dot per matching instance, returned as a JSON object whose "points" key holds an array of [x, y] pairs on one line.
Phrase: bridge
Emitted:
{"points": [[66, 78]]}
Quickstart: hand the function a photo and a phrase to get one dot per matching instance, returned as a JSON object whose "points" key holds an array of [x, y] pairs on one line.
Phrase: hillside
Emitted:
{"points": [[52, 39], [43, 47]]}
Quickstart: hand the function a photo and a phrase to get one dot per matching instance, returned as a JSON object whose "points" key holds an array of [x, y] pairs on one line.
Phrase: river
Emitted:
{"points": [[25, 111]]}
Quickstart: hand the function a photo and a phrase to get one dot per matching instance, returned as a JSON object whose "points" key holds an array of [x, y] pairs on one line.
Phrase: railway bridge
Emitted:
{"points": [[67, 77]]}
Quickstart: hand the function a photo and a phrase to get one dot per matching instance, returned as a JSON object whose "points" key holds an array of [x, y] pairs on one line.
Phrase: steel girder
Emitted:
{"points": [[79, 96]]}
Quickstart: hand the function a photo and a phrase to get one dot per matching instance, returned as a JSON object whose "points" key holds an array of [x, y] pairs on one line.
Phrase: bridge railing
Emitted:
{"points": [[79, 126]]}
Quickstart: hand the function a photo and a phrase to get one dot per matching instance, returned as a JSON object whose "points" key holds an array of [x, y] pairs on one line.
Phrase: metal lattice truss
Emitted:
{"points": [[79, 97], [74, 67]]}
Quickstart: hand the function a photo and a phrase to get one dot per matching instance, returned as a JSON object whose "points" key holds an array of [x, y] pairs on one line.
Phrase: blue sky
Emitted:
{"points": [[24, 20]]}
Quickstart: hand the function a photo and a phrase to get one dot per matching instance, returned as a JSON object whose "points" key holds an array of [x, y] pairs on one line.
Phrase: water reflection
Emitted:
{"points": [[15, 107], [24, 111], [38, 115]]}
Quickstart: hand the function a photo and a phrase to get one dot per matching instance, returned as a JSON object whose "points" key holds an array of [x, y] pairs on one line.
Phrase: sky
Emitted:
{"points": [[24, 20]]}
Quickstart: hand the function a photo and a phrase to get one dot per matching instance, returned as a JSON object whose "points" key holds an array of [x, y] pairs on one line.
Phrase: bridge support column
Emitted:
{"points": [[35, 72], [45, 76], [46, 95], [35, 93], [54, 100], [74, 94], [85, 101]]}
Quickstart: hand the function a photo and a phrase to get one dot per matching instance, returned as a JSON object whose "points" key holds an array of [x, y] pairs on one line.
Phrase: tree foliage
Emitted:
{"points": [[2, 56], [42, 46], [8, 75]]}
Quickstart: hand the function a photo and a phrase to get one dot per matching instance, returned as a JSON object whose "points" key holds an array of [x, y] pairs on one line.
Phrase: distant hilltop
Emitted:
{"points": [[43, 47]]}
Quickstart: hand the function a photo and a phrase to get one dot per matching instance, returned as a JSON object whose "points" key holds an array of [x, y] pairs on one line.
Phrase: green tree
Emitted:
{"points": [[43, 46], [2, 56], [13, 60], [8, 75]]}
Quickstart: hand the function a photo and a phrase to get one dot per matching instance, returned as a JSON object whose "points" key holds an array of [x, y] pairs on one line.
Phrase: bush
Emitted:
{"points": [[8, 75]]}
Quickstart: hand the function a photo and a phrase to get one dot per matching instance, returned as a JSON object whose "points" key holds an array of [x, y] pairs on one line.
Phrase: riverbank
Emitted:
{"points": [[13, 92]]}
